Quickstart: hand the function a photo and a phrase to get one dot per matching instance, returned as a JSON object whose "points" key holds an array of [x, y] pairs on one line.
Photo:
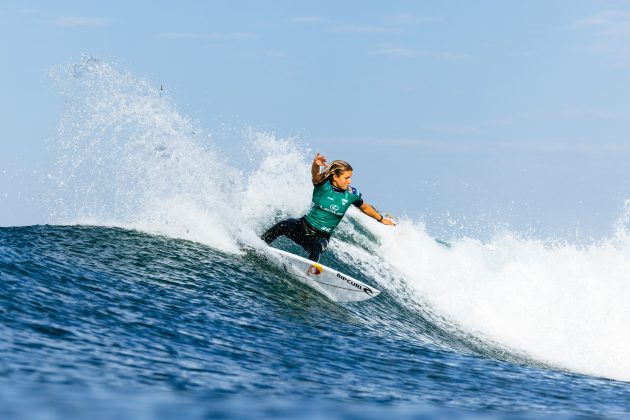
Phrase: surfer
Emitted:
{"points": [[332, 196]]}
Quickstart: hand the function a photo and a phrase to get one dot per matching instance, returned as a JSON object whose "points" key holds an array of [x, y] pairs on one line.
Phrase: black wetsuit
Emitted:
{"points": [[302, 233]]}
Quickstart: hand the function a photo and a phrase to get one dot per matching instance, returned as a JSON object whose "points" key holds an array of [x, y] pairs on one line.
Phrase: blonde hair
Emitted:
{"points": [[336, 167]]}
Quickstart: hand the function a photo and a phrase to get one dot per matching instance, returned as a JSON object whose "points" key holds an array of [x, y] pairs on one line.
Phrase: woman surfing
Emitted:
{"points": [[332, 196]]}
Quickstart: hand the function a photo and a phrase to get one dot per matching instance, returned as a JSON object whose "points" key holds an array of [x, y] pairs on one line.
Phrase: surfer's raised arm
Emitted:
{"points": [[318, 162]]}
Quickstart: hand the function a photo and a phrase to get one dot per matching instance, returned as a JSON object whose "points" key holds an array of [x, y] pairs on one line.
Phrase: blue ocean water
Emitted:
{"points": [[138, 299], [110, 323]]}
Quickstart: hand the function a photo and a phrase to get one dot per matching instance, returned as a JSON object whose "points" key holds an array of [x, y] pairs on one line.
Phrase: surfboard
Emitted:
{"points": [[336, 286]]}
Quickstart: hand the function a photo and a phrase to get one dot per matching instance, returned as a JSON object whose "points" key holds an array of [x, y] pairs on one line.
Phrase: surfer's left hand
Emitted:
{"points": [[388, 222]]}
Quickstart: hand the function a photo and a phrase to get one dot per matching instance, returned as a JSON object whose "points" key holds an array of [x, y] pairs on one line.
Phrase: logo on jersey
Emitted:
{"points": [[315, 270], [334, 207], [344, 201]]}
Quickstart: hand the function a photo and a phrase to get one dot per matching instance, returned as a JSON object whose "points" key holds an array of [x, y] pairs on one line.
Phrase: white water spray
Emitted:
{"points": [[128, 158]]}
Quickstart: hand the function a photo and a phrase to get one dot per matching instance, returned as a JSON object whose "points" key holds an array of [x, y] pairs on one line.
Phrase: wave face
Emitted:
{"points": [[147, 287], [136, 323]]}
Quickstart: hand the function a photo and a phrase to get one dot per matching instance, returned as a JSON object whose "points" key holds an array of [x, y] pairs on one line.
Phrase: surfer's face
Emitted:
{"points": [[343, 180]]}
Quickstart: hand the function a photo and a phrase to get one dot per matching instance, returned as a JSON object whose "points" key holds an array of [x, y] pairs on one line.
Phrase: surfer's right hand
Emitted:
{"points": [[319, 160]]}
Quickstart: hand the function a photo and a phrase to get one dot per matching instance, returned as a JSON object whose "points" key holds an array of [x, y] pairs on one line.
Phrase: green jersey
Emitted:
{"points": [[329, 204]]}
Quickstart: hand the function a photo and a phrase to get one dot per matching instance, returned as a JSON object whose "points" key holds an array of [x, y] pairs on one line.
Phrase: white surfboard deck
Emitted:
{"points": [[336, 286]]}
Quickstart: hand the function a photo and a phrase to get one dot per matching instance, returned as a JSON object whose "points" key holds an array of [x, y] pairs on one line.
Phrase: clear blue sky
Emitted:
{"points": [[492, 110]]}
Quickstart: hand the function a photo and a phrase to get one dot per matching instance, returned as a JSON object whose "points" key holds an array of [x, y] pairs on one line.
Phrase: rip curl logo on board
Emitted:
{"points": [[366, 289], [315, 270]]}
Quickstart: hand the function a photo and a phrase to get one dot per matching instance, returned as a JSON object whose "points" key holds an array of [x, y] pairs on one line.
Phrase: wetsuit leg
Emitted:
{"points": [[316, 248], [313, 241], [300, 232], [284, 227]]}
